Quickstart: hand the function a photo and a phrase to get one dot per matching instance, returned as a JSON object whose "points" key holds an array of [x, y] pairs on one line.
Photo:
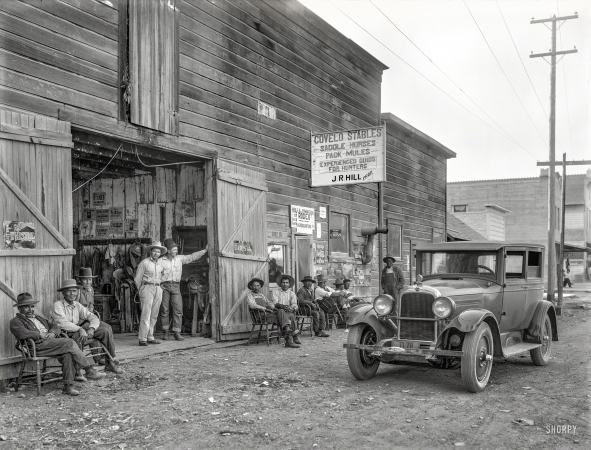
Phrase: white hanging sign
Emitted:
{"points": [[302, 219]]}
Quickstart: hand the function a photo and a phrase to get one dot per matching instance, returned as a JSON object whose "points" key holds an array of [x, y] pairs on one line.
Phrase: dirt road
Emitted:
{"points": [[276, 398]]}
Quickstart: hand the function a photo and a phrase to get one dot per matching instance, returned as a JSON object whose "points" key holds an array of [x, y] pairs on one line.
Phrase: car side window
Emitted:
{"points": [[534, 264], [514, 265]]}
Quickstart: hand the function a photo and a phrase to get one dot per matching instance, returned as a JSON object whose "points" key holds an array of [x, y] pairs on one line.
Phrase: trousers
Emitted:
{"points": [[103, 334], [282, 318], [318, 320], [67, 353], [150, 299], [172, 299]]}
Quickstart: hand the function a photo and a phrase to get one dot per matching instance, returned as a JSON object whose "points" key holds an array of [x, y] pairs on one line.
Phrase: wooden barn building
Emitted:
{"points": [[126, 121]]}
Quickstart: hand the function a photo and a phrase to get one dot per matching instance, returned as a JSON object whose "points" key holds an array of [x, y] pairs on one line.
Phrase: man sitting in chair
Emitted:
{"points": [[80, 324], [274, 312], [306, 298], [27, 325]]}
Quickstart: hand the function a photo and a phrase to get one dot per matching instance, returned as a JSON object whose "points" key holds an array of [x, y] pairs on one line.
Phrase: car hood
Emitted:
{"points": [[455, 288]]}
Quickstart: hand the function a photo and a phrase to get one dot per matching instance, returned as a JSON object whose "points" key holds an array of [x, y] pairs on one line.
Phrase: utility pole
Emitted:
{"points": [[552, 174], [563, 220]]}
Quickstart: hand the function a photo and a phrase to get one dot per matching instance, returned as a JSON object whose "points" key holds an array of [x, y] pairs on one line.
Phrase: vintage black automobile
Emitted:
{"points": [[473, 301]]}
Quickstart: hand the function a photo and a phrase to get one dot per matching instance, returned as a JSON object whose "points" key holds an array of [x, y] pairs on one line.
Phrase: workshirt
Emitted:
{"points": [[258, 301], [38, 324], [149, 271], [287, 298], [69, 316], [173, 267], [86, 297], [320, 293]]}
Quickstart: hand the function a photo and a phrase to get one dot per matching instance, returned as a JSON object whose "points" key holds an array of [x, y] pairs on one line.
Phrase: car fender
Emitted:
{"points": [[468, 321], [535, 326], [366, 314]]}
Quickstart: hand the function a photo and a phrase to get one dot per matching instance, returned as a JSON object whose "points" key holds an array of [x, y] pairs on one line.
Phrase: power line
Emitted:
{"points": [[502, 70], [440, 70], [430, 82]]}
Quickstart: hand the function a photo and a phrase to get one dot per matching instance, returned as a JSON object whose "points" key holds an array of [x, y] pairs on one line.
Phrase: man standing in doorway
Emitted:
{"points": [[392, 278], [172, 298], [306, 297], [147, 279]]}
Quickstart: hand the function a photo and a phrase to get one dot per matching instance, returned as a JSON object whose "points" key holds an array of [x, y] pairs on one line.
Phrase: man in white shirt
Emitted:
{"points": [[147, 279], [172, 299], [80, 324], [286, 300]]}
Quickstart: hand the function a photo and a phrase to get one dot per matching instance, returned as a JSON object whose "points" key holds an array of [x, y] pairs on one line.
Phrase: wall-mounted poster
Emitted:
{"points": [[102, 231], [102, 215], [116, 214], [320, 257], [99, 198], [336, 234], [302, 219], [89, 214], [243, 248], [19, 235], [116, 227]]}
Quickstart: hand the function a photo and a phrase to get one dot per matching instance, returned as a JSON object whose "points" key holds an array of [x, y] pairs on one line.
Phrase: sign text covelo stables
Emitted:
{"points": [[349, 157]]}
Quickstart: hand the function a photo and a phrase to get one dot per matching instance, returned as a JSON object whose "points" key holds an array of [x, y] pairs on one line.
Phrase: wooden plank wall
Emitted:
{"points": [[415, 193]]}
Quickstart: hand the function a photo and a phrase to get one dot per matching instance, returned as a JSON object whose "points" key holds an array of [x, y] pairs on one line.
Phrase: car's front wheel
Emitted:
{"points": [[478, 358], [541, 355], [362, 365]]}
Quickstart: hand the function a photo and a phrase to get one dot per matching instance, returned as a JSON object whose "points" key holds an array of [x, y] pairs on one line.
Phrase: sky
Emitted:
{"points": [[460, 72]]}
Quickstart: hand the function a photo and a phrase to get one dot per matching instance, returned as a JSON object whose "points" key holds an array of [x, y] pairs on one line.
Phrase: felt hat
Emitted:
{"points": [[308, 278], [156, 244], [262, 283], [282, 276], [169, 244], [338, 282], [24, 299], [68, 283], [346, 280], [389, 257], [320, 279], [85, 272]]}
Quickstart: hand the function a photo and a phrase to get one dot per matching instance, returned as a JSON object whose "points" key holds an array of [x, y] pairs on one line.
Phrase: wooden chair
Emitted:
{"points": [[35, 370], [331, 311], [94, 348], [304, 317], [269, 330]]}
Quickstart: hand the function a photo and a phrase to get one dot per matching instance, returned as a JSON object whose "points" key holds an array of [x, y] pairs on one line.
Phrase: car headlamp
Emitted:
{"points": [[443, 307], [383, 304]]}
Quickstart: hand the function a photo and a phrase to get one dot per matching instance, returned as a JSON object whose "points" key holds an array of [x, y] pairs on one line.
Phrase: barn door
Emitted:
{"points": [[242, 242], [35, 216]]}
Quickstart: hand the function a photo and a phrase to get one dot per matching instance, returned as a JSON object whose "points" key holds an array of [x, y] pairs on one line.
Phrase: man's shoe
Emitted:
{"points": [[69, 390], [322, 334], [110, 367], [80, 378], [289, 343], [166, 336], [154, 341], [115, 361], [178, 337], [296, 339], [143, 344], [92, 374]]}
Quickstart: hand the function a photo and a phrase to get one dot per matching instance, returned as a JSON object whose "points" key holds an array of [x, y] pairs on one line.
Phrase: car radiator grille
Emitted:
{"points": [[417, 305]]}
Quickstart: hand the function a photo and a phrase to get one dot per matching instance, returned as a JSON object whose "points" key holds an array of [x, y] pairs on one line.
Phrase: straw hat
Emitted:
{"points": [[262, 283], [282, 276], [387, 257], [156, 244]]}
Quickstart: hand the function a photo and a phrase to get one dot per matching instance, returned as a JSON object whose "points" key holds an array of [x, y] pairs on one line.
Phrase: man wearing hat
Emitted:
{"points": [[392, 278], [147, 279], [172, 264], [86, 293], [285, 299], [28, 325], [306, 297], [80, 324], [274, 312]]}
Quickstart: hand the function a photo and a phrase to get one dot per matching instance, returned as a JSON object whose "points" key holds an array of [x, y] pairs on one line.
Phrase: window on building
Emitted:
{"points": [[394, 239], [339, 234], [277, 258], [558, 218], [460, 208]]}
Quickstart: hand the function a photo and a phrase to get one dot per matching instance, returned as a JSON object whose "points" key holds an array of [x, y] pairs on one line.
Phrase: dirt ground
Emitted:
{"points": [[276, 398]]}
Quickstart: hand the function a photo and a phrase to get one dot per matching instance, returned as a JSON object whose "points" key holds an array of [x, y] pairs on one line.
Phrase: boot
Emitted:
{"points": [[166, 335], [80, 378], [178, 337], [110, 367], [296, 339], [69, 390], [289, 343], [92, 374]]}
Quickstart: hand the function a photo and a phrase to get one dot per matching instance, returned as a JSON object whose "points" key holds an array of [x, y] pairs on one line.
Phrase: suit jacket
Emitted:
{"points": [[305, 297], [23, 328]]}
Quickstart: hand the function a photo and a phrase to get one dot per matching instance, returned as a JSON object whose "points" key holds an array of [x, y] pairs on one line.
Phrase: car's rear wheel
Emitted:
{"points": [[541, 355], [478, 358], [362, 365]]}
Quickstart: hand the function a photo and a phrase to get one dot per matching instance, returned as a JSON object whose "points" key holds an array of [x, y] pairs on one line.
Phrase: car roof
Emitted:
{"points": [[475, 245]]}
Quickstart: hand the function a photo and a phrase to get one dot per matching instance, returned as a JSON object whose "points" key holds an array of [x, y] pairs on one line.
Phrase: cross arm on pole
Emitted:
{"points": [[562, 52], [567, 163], [555, 19]]}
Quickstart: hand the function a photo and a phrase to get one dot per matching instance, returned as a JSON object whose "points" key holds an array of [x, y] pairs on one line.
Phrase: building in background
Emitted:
{"points": [[577, 225]]}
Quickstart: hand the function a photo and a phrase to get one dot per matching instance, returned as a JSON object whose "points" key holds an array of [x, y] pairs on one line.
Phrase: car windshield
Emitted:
{"points": [[478, 263]]}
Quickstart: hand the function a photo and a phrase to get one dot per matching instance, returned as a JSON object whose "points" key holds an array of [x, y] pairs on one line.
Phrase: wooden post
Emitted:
{"points": [[561, 256]]}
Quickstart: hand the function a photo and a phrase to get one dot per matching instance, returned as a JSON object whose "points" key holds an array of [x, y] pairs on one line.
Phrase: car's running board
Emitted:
{"points": [[519, 348]]}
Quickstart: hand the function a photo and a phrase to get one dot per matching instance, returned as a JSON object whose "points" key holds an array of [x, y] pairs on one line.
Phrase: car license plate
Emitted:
{"points": [[407, 345]]}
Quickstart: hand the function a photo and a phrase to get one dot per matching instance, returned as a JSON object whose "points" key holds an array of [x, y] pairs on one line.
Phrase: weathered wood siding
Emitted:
{"points": [[35, 186]]}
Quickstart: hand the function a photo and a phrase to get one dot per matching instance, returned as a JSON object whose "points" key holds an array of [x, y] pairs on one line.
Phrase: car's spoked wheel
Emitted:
{"points": [[478, 358], [363, 366], [541, 355]]}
